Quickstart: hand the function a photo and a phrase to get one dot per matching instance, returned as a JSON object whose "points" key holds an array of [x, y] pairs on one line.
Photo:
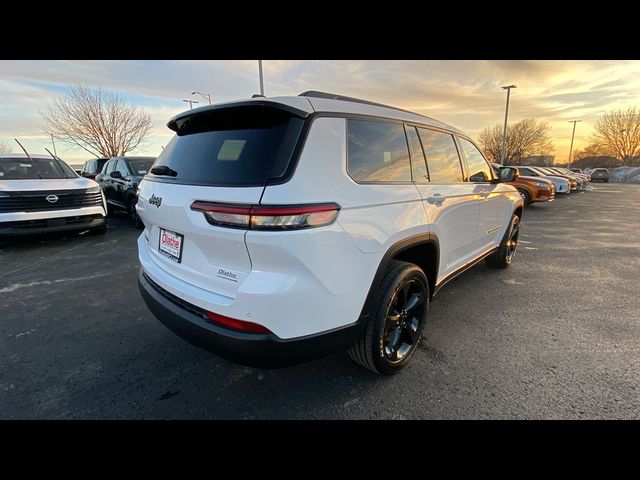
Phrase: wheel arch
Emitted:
{"points": [[518, 211], [422, 250]]}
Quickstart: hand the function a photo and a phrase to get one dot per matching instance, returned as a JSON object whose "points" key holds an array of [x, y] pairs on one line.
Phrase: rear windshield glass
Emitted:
{"points": [[141, 166], [243, 147], [25, 169]]}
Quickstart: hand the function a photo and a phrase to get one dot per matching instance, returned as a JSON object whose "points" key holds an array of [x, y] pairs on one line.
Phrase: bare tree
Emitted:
{"points": [[619, 131], [593, 150], [526, 138], [4, 148], [97, 121]]}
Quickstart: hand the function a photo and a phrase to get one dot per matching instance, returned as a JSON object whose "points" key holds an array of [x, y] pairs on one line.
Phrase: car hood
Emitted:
{"points": [[554, 178], [534, 179], [46, 184]]}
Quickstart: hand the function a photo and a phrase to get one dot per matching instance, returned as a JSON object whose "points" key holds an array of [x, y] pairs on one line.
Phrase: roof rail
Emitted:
{"points": [[334, 96]]}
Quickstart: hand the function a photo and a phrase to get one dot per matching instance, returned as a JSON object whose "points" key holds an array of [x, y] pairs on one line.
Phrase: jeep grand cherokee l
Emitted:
{"points": [[284, 229]]}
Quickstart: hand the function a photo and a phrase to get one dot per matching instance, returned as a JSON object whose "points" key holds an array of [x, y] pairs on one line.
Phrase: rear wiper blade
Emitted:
{"points": [[164, 170]]}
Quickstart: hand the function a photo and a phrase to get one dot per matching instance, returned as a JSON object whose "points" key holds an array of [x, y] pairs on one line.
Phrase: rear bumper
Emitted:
{"points": [[50, 225], [255, 350]]}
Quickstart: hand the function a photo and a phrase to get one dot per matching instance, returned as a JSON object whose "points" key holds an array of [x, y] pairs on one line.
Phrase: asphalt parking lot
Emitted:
{"points": [[555, 336]]}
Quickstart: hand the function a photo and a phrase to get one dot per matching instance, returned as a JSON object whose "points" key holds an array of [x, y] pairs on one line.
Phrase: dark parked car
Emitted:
{"points": [[91, 168], [600, 175], [119, 180]]}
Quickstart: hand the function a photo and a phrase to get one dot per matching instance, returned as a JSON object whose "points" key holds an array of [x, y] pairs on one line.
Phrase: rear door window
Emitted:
{"points": [[377, 152], [443, 160]]}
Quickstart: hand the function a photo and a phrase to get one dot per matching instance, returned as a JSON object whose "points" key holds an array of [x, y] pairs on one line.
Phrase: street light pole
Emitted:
{"points": [[572, 135], [504, 131], [191, 102], [261, 79], [204, 95]]}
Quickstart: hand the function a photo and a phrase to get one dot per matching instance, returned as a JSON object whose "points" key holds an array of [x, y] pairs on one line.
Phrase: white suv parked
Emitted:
{"points": [[283, 229], [40, 193]]}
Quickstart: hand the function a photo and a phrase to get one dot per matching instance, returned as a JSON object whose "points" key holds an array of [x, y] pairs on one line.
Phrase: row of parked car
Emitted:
{"points": [[542, 184]]}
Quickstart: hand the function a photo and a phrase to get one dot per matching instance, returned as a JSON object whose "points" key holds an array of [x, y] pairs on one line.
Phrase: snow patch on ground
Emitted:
{"points": [[625, 174]]}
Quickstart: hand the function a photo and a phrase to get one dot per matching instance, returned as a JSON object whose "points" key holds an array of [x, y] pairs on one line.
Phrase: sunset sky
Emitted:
{"points": [[466, 94]]}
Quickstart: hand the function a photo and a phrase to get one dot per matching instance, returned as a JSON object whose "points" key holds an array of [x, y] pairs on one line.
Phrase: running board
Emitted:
{"points": [[463, 269]]}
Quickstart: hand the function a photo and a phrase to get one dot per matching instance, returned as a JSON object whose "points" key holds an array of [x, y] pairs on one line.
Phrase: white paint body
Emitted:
{"points": [[45, 186], [304, 282]]}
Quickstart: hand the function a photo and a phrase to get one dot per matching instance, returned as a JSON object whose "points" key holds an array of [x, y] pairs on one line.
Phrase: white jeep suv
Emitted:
{"points": [[41, 193], [280, 230]]}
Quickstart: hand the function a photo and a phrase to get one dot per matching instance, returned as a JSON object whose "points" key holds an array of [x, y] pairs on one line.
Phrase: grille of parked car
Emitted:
{"points": [[44, 200]]}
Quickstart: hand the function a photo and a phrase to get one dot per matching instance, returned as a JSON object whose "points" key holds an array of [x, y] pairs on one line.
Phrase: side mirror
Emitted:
{"points": [[116, 174], [508, 174]]}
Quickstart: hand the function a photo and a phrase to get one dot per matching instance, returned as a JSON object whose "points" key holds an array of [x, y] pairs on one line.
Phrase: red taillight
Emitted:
{"points": [[234, 324], [264, 217]]}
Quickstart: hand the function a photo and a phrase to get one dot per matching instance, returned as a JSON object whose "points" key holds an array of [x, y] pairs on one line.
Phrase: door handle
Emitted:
{"points": [[436, 199]]}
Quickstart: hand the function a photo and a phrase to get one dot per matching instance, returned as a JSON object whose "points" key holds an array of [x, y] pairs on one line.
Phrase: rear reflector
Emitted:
{"points": [[264, 217], [239, 325]]}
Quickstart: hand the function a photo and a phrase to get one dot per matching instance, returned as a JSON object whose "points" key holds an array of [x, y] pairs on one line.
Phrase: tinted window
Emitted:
{"points": [[418, 165], [377, 152], [23, 168], [234, 147], [98, 164], [479, 170], [110, 166], [141, 166], [526, 171], [442, 156], [122, 167]]}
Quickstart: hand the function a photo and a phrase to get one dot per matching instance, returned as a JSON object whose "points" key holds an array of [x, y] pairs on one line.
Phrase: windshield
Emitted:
{"points": [[141, 166], [25, 169]]}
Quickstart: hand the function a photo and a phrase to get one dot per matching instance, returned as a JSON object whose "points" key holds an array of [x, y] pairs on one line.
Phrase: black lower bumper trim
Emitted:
{"points": [[254, 350], [33, 227]]}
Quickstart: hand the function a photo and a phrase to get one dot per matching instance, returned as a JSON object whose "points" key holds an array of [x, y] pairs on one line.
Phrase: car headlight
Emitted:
{"points": [[541, 185], [93, 190]]}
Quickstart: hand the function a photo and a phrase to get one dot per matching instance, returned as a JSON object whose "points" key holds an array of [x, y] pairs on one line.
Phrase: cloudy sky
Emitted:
{"points": [[466, 94]]}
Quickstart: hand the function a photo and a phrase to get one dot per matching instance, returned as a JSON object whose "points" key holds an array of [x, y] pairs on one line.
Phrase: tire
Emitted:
{"points": [[101, 230], [526, 196], [390, 339], [503, 257], [133, 214]]}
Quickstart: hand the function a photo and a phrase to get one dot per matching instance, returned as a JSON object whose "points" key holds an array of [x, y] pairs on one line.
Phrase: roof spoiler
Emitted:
{"points": [[178, 121]]}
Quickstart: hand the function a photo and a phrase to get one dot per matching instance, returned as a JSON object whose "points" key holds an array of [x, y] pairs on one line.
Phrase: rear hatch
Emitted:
{"points": [[219, 155]]}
